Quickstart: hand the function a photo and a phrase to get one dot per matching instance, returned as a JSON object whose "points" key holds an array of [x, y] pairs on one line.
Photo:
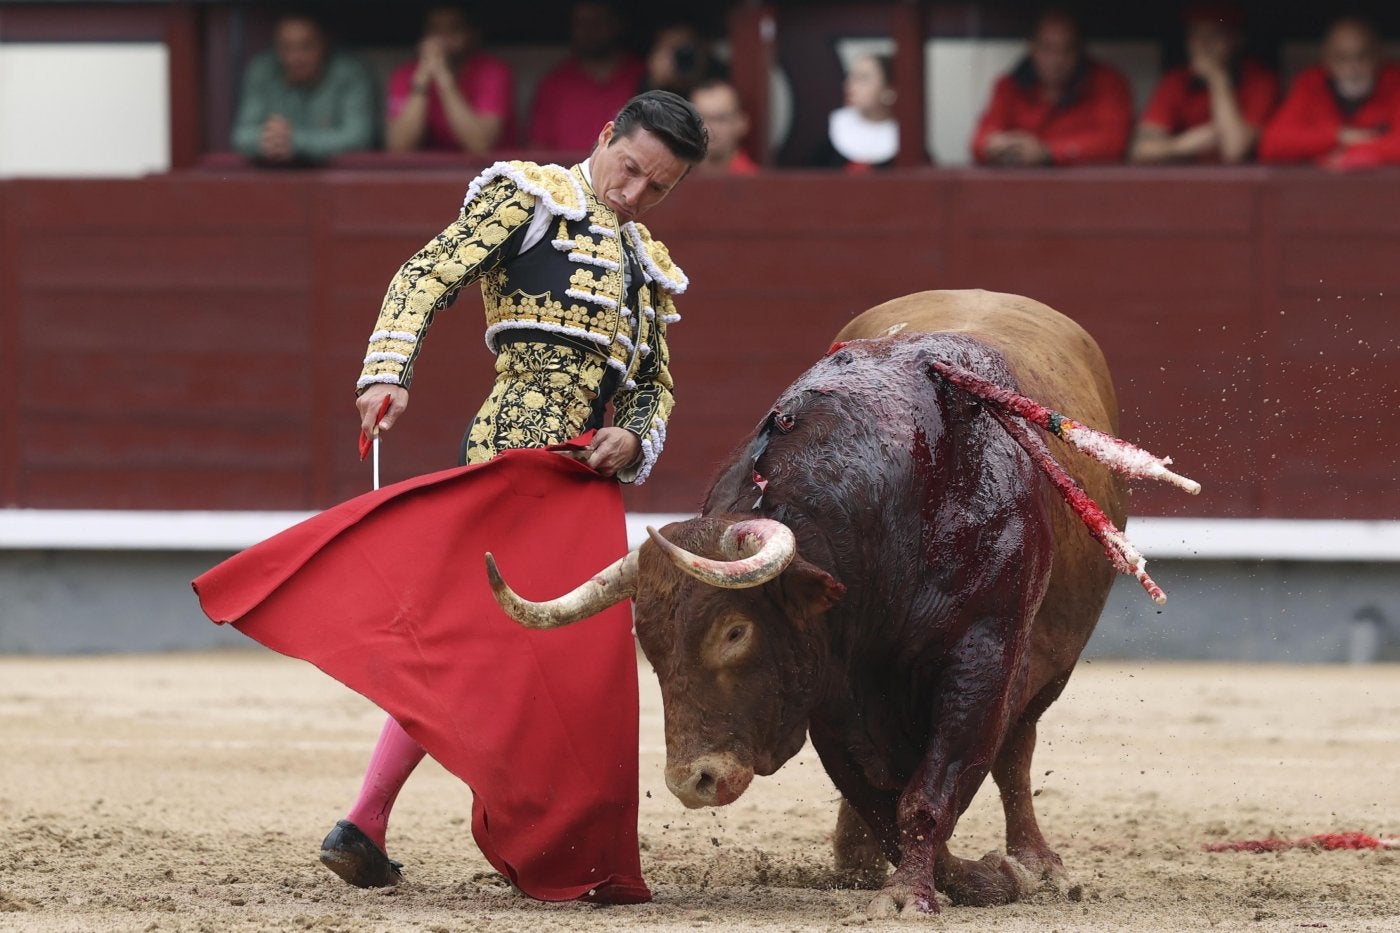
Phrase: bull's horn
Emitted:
{"points": [[609, 586], [770, 544]]}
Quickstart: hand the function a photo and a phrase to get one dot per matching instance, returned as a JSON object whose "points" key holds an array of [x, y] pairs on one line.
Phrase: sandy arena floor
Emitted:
{"points": [[190, 792]]}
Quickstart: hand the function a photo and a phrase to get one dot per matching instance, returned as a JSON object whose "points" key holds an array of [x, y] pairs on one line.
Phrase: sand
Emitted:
{"points": [[190, 792]]}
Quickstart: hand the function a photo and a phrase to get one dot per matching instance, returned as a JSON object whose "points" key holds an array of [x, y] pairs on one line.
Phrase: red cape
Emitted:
{"points": [[388, 594]]}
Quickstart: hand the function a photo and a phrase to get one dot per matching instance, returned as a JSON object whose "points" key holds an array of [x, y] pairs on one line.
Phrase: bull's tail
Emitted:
{"points": [[1114, 452]]}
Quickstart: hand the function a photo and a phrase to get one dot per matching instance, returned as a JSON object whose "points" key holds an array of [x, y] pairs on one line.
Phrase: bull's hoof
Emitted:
{"points": [[990, 881], [902, 900], [1042, 863], [353, 856]]}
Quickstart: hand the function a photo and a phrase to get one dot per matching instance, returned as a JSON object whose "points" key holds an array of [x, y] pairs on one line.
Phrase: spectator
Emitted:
{"points": [[717, 102], [863, 134], [454, 96], [1213, 108], [1057, 106], [679, 60], [1344, 112], [590, 86], [303, 102]]}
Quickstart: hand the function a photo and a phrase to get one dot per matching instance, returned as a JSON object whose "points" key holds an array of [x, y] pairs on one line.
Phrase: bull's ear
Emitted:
{"points": [[808, 591]]}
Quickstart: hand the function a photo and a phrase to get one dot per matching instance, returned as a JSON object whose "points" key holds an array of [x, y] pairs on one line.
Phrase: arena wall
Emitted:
{"points": [[190, 341]]}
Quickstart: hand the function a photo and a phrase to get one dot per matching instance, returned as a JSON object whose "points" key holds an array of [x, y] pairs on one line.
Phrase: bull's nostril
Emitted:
{"points": [[705, 784]]}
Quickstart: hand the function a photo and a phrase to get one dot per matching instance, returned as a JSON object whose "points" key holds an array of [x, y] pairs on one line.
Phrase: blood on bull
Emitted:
{"points": [[896, 563]]}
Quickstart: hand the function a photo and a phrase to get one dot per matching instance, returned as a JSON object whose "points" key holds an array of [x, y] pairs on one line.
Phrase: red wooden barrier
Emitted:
{"points": [[192, 340]]}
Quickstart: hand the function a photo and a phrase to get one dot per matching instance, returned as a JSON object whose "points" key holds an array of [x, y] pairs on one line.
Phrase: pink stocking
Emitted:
{"points": [[395, 756]]}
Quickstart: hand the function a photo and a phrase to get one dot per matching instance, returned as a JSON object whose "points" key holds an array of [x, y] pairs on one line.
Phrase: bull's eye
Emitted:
{"points": [[730, 642]]}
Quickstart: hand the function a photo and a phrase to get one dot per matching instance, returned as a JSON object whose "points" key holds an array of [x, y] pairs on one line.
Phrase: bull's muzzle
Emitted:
{"points": [[709, 781]]}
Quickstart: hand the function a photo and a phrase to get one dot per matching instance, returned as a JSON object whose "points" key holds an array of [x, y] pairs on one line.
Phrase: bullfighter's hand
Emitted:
{"points": [[613, 449], [368, 404]]}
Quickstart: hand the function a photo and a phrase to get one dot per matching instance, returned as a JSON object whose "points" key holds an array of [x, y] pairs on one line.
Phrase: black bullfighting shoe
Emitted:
{"points": [[352, 855]]}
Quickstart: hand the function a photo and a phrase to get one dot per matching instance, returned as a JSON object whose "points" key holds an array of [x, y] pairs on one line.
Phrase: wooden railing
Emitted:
{"points": [[191, 341]]}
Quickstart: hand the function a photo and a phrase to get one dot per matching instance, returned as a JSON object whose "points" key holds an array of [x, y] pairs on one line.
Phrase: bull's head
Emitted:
{"points": [[726, 612]]}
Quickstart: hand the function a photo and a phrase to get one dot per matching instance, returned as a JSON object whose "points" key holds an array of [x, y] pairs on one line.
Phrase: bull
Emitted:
{"points": [[882, 565]]}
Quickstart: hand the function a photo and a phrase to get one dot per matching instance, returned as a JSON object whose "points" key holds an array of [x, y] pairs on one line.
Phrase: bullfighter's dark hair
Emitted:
{"points": [[670, 118]]}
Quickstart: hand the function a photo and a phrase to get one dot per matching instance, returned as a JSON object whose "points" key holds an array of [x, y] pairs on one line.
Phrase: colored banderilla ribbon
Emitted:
{"points": [[1115, 453]]}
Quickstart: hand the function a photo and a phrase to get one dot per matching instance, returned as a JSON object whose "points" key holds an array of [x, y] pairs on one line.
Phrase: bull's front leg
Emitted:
{"points": [[972, 701]]}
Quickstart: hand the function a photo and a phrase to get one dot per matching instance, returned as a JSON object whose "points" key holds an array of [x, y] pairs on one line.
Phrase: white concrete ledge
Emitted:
{"points": [[1156, 538], [1266, 539]]}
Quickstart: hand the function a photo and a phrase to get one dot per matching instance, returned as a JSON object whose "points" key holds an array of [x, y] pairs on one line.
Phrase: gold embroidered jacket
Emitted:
{"points": [[574, 283]]}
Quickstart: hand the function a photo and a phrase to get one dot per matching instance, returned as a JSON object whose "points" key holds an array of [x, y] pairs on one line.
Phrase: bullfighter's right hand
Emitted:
{"points": [[368, 404]]}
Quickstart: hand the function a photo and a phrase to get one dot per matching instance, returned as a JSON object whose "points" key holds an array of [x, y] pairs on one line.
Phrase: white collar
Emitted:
{"points": [[860, 140]]}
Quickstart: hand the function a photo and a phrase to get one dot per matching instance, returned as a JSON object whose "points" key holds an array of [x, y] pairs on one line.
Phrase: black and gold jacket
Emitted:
{"points": [[571, 284]]}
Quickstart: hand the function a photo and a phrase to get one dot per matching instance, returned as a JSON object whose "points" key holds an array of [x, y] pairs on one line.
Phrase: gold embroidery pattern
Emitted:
{"points": [[431, 278], [651, 400], [543, 392], [519, 307], [575, 311], [543, 395], [607, 285], [671, 277], [598, 247], [554, 180]]}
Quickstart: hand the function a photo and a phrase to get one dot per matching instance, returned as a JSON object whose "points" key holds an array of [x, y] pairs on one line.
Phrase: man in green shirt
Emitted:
{"points": [[303, 102]]}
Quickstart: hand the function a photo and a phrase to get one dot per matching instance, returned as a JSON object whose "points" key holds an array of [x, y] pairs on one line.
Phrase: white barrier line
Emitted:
{"points": [[1156, 538]]}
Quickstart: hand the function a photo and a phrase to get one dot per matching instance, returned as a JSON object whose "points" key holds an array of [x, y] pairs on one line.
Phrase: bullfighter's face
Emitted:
{"points": [[738, 668], [633, 173]]}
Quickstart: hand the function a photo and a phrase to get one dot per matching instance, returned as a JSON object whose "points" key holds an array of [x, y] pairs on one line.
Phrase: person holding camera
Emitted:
{"points": [[679, 60]]}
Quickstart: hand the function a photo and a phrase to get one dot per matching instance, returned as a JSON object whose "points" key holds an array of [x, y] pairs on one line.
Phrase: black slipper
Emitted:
{"points": [[352, 855]]}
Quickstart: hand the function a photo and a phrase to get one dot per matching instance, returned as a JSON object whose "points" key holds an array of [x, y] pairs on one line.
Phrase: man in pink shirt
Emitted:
{"points": [[454, 96], [588, 87]]}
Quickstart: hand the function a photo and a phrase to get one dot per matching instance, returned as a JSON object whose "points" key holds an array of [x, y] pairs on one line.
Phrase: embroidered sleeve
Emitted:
{"points": [[645, 408], [485, 235]]}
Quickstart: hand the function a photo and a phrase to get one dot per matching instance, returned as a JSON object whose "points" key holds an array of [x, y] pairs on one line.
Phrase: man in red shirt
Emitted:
{"points": [[1212, 109], [717, 102], [1057, 107], [454, 97], [1343, 113], [584, 92]]}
